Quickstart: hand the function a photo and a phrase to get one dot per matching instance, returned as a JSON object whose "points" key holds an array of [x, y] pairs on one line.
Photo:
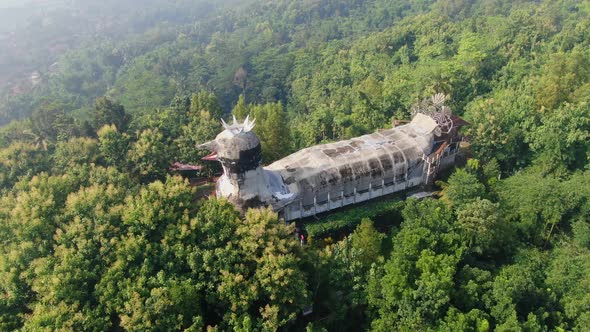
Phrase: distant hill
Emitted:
{"points": [[34, 34]]}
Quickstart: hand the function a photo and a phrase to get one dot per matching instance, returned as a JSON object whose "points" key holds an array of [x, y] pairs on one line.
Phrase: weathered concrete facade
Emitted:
{"points": [[329, 176]]}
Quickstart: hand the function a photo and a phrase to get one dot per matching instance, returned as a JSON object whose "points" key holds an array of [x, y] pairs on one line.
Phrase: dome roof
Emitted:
{"points": [[229, 144], [237, 140]]}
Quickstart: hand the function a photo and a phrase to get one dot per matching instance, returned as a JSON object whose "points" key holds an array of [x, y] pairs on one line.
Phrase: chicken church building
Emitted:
{"points": [[329, 176]]}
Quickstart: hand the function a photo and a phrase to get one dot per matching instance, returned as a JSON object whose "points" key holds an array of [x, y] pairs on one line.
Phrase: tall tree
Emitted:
{"points": [[415, 290], [148, 156], [272, 129], [480, 223], [561, 140], [76, 151], [462, 188], [109, 112], [113, 146]]}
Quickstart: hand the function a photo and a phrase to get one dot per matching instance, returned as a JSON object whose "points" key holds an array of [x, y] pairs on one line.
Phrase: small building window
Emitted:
{"points": [[400, 178]]}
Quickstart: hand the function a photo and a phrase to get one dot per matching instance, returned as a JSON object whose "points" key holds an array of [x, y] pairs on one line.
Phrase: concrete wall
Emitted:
{"points": [[314, 203]]}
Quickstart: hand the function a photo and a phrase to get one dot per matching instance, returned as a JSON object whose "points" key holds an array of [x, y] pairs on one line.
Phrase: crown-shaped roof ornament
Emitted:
{"points": [[434, 107], [236, 127]]}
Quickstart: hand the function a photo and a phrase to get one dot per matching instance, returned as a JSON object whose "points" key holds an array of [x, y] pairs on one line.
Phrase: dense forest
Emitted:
{"points": [[35, 34], [97, 234]]}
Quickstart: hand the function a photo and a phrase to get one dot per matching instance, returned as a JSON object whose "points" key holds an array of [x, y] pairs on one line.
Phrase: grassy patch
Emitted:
{"points": [[383, 212]]}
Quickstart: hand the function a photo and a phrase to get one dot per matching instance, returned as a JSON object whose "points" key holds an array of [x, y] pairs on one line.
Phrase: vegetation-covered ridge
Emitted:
{"points": [[95, 234]]}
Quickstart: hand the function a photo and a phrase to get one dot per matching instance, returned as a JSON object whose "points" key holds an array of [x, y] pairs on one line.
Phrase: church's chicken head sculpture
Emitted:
{"points": [[244, 181]]}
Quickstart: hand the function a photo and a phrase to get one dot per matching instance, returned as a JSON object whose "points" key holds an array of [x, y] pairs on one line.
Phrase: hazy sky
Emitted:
{"points": [[14, 3], [24, 3]]}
